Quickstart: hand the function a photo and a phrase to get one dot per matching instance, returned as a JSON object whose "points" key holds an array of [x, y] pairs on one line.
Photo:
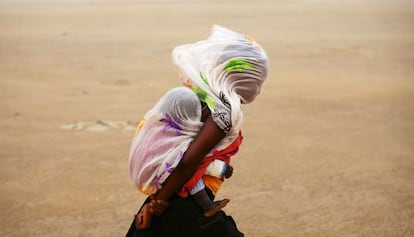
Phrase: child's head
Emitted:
{"points": [[181, 103]]}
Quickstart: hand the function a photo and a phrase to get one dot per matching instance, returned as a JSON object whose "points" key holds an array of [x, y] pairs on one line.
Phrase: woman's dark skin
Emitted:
{"points": [[208, 137]]}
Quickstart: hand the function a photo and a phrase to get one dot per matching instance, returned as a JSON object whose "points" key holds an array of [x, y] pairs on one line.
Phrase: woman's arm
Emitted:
{"points": [[208, 137]]}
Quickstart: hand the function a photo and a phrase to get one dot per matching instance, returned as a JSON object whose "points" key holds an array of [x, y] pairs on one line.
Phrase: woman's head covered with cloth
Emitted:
{"points": [[224, 71]]}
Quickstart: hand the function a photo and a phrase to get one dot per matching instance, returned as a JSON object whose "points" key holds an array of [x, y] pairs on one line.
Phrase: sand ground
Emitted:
{"points": [[329, 144]]}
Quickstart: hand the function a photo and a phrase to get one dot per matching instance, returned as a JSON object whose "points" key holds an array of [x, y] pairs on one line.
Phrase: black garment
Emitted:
{"points": [[184, 218]]}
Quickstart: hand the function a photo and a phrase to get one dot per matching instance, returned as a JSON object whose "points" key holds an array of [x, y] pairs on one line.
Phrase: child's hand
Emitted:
{"points": [[229, 171], [144, 218]]}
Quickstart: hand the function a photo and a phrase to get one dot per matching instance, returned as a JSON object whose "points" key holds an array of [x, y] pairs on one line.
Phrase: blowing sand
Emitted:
{"points": [[329, 144]]}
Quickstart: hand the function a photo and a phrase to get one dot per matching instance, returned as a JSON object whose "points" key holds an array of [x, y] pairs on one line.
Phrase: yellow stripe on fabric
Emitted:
{"points": [[139, 127]]}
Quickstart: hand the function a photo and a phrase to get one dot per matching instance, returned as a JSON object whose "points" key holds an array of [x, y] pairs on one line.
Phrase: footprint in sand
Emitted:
{"points": [[100, 126]]}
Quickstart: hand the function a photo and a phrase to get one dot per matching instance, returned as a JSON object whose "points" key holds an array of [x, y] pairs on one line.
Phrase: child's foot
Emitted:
{"points": [[144, 218], [216, 208]]}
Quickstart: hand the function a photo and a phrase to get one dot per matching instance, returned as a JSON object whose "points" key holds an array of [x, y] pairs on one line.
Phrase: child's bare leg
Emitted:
{"points": [[144, 218], [218, 205], [210, 207]]}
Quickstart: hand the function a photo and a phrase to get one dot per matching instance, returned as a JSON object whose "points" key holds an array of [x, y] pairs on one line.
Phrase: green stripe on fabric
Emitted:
{"points": [[211, 103], [237, 64], [203, 78]]}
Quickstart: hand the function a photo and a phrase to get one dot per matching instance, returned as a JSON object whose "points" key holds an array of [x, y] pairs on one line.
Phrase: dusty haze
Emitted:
{"points": [[329, 144]]}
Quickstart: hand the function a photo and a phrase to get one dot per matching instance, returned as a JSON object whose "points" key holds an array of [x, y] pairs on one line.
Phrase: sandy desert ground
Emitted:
{"points": [[329, 144]]}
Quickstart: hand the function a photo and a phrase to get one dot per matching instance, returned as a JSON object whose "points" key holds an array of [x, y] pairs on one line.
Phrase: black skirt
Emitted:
{"points": [[184, 218]]}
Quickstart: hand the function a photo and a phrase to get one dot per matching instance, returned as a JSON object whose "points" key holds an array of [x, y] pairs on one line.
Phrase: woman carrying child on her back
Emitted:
{"points": [[182, 148]]}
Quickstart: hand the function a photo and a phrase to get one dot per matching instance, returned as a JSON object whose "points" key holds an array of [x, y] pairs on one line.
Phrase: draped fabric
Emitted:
{"points": [[225, 70], [167, 131], [163, 137]]}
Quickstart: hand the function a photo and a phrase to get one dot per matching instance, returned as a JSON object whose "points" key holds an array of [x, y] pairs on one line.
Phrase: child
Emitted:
{"points": [[159, 144]]}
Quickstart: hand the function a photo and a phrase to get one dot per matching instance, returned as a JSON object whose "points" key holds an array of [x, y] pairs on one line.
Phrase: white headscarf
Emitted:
{"points": [[225, 70]]}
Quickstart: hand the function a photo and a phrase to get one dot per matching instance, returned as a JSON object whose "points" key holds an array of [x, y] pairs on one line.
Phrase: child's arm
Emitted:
{"points": [[208, 137]]}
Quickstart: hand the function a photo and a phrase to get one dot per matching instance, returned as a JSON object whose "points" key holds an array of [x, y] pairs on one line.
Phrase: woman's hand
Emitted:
{"points": [[143, 219], [158, 207]]}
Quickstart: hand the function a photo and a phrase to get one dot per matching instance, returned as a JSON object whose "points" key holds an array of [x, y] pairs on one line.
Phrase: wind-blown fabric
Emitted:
{"points": [[168, 129], [163, 137], [225, 70]]}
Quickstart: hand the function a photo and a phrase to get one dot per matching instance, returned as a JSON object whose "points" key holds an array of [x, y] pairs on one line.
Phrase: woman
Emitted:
{"points": [[225, 71]]}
